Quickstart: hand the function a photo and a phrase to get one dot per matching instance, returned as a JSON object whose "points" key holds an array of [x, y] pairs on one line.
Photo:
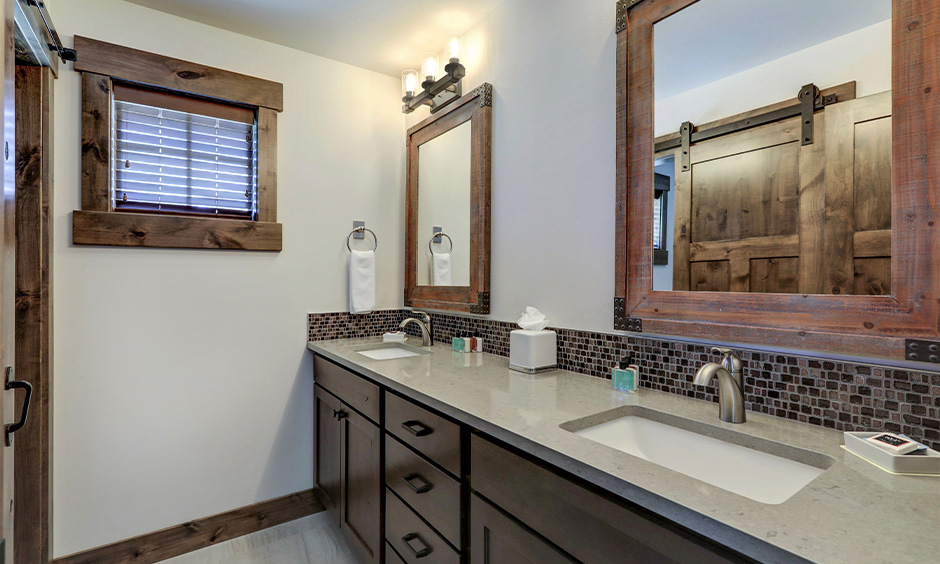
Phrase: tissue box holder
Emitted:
{"points": [[533, 351]]}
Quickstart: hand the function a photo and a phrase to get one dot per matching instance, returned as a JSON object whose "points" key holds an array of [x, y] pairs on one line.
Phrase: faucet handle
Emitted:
{"points": [[731, 362]]}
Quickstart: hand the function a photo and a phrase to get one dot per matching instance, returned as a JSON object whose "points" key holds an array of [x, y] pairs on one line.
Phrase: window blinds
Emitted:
{"points": [[178, 162]]}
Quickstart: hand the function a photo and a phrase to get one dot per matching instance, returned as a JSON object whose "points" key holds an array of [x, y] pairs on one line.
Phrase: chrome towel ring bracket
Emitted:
{"points": [[362, 230], [435, 236]]}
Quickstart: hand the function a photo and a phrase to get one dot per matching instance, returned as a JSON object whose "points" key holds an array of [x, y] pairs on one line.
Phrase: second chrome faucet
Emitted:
{"points": [[730, 375]]}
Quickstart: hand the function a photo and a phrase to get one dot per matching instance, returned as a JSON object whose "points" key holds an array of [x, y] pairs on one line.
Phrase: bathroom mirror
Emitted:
{"points": [[767, 186], [742, 201], [447, 258]]}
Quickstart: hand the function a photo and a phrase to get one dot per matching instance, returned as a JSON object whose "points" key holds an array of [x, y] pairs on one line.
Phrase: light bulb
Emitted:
{"points": [[453, 47], [409, 83], [429, 67]]}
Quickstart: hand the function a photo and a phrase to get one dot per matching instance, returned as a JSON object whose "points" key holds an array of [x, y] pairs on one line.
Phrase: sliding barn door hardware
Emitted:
{"points": [[808, 104], [685, 136]]}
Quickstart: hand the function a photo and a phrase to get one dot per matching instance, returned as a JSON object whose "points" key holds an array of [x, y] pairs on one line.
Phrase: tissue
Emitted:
{"points": [[532, 320]]}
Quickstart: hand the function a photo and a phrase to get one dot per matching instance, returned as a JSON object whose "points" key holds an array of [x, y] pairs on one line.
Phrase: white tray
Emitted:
{"points": [[926, 462]]}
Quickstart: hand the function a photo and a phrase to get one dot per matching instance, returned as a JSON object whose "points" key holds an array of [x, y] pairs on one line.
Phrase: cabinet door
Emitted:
{"points": [[361, 485], [497, 539], [327, 449]]}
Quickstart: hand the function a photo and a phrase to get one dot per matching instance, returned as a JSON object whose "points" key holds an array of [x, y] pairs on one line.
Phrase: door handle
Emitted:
{"points": [[12, 384], [414, 538], [417, 428], [339, 414], [417, 483]]}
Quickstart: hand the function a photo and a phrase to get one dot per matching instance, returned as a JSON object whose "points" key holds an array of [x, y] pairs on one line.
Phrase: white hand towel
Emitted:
{"points": [[361, 281], [440, 269]]}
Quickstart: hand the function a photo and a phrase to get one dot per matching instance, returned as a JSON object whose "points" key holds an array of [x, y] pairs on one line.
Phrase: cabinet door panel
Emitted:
{"points": [[497, 539], [362, 485], [327, 455]]}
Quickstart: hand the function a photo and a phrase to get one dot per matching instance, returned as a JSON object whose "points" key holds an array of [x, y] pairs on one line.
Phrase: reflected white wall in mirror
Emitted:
{"points": [[444, 201], [760, 210]]}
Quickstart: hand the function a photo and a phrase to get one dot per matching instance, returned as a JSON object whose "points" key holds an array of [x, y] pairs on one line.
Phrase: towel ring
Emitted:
{"points": [[362, 230], [440, 234]]}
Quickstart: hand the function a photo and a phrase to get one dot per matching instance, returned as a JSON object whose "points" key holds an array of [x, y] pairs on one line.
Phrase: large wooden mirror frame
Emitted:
{"points": [[475, 107], [863, 325]]}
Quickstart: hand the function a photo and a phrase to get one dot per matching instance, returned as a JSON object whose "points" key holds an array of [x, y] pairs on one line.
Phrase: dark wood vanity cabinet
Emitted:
{"points": [[429, 490], [348, 458]]}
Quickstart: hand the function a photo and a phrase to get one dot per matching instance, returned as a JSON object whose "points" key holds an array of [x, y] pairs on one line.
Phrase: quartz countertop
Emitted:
{"points": [[853, 513]]}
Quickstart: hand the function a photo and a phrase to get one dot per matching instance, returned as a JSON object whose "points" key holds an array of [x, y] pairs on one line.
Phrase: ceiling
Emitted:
{"points": [[386, 36], [714, 39]]}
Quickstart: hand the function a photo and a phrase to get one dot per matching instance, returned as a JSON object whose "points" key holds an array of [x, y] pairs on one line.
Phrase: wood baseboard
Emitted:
{"points": [[187, 537]]}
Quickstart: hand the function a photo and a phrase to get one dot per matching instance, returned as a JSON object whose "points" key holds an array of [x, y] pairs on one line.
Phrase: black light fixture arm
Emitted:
{"points": [[439, 93], [64, 53]]}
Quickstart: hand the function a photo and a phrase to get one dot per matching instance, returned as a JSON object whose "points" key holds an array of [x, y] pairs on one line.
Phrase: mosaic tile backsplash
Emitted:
{"points": [[838, 395]]}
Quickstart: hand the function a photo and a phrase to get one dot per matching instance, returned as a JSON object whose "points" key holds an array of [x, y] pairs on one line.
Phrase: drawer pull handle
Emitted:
{"points": [[339, 414], [413, 537], [417, 428], [417, 483]]}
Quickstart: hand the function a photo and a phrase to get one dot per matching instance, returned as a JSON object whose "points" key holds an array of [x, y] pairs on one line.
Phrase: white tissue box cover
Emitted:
{"points": [[533, 349]]}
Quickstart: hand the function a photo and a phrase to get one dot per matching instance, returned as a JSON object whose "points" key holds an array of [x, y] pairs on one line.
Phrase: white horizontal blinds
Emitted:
{"points": [[180, 162], [659, 205]]}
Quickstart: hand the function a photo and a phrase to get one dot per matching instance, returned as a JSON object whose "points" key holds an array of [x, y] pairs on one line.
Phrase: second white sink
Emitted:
{"points": [[742, 470]]}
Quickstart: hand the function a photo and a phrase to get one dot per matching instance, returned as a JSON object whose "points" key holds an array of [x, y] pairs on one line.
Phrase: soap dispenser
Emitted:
{"points": [[626, 377]]}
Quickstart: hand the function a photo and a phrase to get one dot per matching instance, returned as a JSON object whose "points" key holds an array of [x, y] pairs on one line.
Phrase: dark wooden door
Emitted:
{"points": [[498, 539], [759, 212], [328, 449], [7, 285], [361, 485]]}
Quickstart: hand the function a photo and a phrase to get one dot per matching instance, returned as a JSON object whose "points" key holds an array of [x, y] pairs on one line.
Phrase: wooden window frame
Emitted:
{"points": [[96, 223], [862, 325]]}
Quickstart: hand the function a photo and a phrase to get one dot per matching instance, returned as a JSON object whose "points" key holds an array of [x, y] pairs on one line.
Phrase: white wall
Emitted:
{"points": [[552, 67], [183, 386], [444, 201], [863, 56]]}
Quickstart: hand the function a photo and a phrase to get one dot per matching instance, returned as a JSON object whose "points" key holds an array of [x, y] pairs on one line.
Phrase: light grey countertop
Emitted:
{"points": [[853, 513]]}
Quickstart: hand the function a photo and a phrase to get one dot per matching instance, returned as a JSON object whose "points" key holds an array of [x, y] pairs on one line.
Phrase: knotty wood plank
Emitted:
{"points": [[758, 247], [873, 276], [150, 69], [33, 460], [812, 214], [96, 142], [267, 165], [873, 243], [682, 228], [173, 232], [187, 537], [775, 275], [873, 174], [712, 276]]}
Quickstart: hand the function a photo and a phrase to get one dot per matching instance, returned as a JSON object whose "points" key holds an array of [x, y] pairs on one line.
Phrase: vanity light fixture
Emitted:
{"points": [[438, 90]]}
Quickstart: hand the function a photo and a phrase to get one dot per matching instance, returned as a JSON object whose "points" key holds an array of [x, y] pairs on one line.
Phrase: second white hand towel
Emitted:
{"points": [[361, 281], [440, 269]]}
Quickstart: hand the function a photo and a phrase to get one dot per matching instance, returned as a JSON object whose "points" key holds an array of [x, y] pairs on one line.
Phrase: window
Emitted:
{"points": [[661, 187], [175, 154], [180, 155]]}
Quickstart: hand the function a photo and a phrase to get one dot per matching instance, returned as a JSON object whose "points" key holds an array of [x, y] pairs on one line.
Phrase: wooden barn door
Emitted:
{"points": [[760, 212]]}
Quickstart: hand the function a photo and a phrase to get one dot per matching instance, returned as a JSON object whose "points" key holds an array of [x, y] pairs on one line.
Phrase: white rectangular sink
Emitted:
{"points": [[388, 351], [743, 470]]}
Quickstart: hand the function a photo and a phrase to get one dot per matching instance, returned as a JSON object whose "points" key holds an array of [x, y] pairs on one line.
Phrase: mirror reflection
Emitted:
{"points": [[772, 147], [444, 209]]}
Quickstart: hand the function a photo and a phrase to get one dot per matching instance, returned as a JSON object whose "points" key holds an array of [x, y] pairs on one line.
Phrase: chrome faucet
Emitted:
{"points": [[730, 384], [424, 323]]}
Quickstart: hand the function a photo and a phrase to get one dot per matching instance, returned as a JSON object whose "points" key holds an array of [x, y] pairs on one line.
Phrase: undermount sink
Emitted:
{"points": [[389, 351], [756, 468]]}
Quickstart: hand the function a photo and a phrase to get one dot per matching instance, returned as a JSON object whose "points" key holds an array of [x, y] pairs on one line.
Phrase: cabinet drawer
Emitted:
{"points": [[391, 557], [497, 538], [430, 492], [426, 432], [355, 391], [593, 529], [412, 539]]}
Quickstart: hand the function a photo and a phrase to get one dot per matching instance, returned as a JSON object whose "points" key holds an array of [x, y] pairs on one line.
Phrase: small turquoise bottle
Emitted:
{"points": [[626, 377]]}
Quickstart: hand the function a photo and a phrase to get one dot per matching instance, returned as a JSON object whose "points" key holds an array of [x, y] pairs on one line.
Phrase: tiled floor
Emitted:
{"points": [[312, 540]]}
